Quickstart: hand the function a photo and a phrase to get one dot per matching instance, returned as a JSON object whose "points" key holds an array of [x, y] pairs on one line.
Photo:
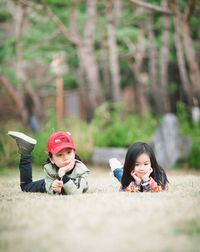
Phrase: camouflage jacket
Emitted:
{"points": [[75, 183]]}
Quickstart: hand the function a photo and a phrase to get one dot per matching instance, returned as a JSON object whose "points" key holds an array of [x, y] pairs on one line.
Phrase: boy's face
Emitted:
{"points": [[64, 158]]}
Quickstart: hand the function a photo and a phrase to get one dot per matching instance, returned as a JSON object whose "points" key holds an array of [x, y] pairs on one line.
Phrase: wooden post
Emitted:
{"points": [[59, 99], [59, 68]]}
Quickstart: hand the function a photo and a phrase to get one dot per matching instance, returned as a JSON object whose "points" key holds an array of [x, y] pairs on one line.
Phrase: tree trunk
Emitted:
{"points": [[25, 88], [153, 7], [14, 97], [80, 73], [180, 54], [88, 76], [189, 51], [113, 53], [164, 52], [104, 66], [20, 18], [141, 82], [84, 46], [153, 66], [37, 106], [91, 68]]}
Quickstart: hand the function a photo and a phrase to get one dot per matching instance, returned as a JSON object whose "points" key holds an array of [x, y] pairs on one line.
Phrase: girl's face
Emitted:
{"points": [[63, 158], [142, 165]]}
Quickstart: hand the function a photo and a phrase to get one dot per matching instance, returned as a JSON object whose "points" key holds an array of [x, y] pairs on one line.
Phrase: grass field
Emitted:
{"points": [[103, 219]]}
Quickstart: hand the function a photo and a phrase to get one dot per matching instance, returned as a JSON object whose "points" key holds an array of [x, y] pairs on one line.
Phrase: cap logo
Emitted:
{"points": [[58, 141]]}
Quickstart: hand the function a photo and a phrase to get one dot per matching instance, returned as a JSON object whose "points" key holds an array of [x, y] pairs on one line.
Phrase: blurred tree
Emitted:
{"points": [[101, 39], [164, 103], [113, 12], [14, 97], [190, 79], [89, 71], [136, 67]]}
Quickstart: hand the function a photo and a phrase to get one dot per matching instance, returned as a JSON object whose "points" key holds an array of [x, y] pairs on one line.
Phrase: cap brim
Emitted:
{"points": [[61, 147]]}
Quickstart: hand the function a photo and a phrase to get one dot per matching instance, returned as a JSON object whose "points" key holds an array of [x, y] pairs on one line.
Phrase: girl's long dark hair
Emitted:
{"points": [[134, 151]]}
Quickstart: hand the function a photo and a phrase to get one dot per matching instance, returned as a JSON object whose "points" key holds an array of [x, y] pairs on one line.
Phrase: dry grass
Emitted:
{"points": [[103, 219]]}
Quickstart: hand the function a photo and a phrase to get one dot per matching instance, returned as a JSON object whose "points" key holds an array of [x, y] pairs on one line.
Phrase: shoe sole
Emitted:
{"points": [[114, 164], [22, 136]]}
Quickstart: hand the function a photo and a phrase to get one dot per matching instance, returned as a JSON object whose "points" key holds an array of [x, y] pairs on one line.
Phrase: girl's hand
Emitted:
{"points": [[137, 179], [146, 176], [57, 185]]}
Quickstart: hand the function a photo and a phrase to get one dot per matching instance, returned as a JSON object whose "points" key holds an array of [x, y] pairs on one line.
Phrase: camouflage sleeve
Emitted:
{"points": [[48, 182], [76, 186]]}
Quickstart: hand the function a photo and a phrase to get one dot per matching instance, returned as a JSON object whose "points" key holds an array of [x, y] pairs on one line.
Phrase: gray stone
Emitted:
{"points": [[169, 145], [196, 114], [102, 155]]}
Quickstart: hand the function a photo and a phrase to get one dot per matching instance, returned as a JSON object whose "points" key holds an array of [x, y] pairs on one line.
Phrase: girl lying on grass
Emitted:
{"points": [[64, 172], [141, 172]]}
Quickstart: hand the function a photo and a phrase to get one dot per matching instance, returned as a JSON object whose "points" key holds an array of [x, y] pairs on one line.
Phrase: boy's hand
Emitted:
{"points": [[65, 169], [57, 185], [61, 172]]}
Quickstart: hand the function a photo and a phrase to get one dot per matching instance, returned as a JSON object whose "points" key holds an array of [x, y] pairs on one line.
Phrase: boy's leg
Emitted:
{"points": [[26, 183], [25, 146], [116, 168]]}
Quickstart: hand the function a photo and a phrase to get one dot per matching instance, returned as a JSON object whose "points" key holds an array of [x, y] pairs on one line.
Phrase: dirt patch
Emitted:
{"points": [[102, 219]]}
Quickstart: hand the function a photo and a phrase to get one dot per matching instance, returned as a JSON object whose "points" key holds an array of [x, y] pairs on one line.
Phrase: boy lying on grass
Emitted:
{"points": [[64, 172]]}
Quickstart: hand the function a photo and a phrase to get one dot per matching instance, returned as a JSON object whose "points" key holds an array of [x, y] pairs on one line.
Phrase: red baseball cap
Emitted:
{"points": [[59, 141]]}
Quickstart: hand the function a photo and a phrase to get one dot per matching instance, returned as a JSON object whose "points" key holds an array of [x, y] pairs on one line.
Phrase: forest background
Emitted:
{"points": [[131, 62]]}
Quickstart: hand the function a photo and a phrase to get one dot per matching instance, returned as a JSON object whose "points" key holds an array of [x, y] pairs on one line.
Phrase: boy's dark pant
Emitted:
{"points": [[26, 183]]}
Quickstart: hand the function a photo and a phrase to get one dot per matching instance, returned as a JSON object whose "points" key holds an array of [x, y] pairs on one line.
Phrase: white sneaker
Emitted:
{"points": [[25, 143], [115, 163]]}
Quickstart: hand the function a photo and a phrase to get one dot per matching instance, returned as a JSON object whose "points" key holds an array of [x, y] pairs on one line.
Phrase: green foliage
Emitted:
{"points": [[10, 74], [57, 3], [194, 158], [4, 16], [41, 38], [192, 130], [182, 114], [115, 128], [128, 32], [70, 81], [7, 48], [9, 155], [40, 153], [82, 134]]}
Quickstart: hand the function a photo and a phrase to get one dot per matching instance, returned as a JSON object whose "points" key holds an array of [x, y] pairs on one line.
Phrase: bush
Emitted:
{"points": [[81, 133], [192, 130], [9, 155], [194, 158], [113, 127]]}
